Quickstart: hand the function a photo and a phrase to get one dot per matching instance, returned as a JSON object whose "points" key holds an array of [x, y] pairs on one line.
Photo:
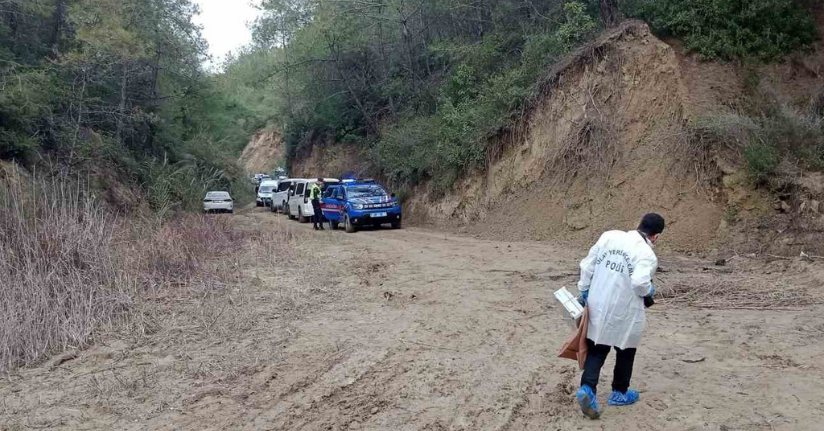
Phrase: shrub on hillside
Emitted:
{"points": [[775, 144], [765, 29]]}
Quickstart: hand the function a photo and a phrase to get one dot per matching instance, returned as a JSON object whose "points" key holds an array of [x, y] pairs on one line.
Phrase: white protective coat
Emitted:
{"points": [[618, 274]]}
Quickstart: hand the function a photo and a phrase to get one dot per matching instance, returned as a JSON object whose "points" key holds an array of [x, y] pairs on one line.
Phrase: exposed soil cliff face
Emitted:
{"points": [[329, 161], [264, 153], [611, 140], [605, 146]]}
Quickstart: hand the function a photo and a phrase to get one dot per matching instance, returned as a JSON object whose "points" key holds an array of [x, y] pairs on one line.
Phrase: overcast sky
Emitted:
{"points": [[225, 24]]}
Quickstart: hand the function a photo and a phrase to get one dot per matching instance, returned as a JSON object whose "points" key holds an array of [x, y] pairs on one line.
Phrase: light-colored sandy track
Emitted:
{"points": [[421, 330]]}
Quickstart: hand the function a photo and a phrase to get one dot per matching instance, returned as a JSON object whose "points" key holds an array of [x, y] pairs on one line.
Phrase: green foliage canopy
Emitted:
{"points": [[422, 85], [726, 29], [120, 83]]}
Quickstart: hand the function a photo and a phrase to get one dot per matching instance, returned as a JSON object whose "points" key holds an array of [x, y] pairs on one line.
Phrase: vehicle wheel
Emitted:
{"points": [[350, 228], [231, 211], [301, 217], [258, 204], [396, 224], [289, 214]]}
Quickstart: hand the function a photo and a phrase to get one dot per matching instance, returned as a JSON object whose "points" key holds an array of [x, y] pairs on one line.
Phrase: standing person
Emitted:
{"points": [[616, 276], [315, 195]]}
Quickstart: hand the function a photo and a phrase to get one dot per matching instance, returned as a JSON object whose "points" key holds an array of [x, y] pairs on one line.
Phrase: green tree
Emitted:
{"points": [[114, 83]]}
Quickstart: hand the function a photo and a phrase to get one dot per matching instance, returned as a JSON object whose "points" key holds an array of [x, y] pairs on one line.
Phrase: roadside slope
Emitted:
{"points": [[606, 143], [264, 153], [618, 130]]}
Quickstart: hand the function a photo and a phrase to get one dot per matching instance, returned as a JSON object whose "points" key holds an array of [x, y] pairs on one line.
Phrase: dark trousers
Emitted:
{"points": [[317, 219], [596, 355]]}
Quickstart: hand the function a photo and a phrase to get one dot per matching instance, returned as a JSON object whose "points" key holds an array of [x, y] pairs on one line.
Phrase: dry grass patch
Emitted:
{"points": [[72, 270], [736, 291]]}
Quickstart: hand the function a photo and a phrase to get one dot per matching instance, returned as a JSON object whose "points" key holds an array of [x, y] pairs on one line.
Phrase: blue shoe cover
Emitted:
{"points": [[621, 399], [588, 403]]}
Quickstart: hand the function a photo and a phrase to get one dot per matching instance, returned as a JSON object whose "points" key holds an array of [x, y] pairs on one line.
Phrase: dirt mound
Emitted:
{"points": [[264, 153]]}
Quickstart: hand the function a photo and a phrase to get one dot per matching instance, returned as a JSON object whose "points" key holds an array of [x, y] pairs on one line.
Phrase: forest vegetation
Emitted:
{"points": [[428, 89]]}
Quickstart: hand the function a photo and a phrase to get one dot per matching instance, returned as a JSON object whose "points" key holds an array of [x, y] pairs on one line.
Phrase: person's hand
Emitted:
{"points": [[651, 290], [584, 297]]}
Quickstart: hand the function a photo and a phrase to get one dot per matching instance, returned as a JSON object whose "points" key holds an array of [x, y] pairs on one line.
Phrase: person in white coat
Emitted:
{"points": [[616, 276]]}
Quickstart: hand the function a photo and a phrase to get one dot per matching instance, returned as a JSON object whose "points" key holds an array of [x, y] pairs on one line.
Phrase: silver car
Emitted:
{"points": [[218, 202]]}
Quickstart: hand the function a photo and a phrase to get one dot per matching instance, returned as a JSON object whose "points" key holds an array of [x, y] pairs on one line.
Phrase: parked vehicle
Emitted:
{"points": [[355, 203], [281, 196], [265, 192], [218, 202], [298, 206], [259, 178]]}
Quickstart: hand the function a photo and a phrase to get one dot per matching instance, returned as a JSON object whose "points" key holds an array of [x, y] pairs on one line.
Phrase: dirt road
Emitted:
{"points": [[421, 330]]}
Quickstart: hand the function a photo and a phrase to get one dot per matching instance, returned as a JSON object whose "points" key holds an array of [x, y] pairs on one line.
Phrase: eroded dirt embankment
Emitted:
{"points": [[603, 146], [613, 136], [264, 153]]}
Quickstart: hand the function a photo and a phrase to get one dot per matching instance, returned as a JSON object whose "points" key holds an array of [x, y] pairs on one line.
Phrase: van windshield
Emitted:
{"points": [[370, 191], [266, 189]]}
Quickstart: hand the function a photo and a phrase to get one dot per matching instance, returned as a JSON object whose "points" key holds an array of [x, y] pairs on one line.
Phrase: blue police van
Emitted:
{"points": [[356, 203]]}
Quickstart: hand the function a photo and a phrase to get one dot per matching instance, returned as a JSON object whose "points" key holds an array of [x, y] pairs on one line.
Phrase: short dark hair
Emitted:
{"points": [[652, 224], [320, 180]]}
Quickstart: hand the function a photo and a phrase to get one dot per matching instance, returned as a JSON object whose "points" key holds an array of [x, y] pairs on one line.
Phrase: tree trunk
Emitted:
{"points": [[333, 49], [12, 15], [286, 47], [57, 29], [79, 121], [609, 12], [122, 107]]}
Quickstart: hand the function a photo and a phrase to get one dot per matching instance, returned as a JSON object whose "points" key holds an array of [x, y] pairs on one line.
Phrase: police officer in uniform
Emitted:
{"points": [[314, 195]]}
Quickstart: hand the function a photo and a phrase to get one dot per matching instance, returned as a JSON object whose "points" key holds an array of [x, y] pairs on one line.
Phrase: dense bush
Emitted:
{"points": [[765, 29], [777, 143]]}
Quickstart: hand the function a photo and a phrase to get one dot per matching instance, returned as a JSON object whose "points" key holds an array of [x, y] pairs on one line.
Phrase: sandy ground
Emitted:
{"points": [[422, 330]]}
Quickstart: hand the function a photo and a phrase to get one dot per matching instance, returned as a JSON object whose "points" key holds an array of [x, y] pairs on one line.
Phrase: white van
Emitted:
{"points": [[281, 196], [299, 206], [265, 192]]}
